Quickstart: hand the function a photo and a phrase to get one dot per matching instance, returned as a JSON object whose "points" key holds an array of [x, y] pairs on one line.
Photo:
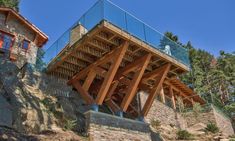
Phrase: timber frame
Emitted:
{"points": [[109, 66]]}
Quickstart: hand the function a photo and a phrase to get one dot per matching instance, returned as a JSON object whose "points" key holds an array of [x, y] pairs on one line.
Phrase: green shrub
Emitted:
{"points": [[212, 127], [184, 135], [70, 124], [232, 138], [155, 123]]}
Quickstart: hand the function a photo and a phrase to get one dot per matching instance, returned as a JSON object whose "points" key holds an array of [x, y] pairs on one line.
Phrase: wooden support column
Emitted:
{"points": [[172, 97], [161, 77], [162, 95], [116, 61], [132, 87]]}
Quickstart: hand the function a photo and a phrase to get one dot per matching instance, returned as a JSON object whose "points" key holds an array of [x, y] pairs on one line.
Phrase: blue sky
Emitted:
{"points": [[208, 24]]}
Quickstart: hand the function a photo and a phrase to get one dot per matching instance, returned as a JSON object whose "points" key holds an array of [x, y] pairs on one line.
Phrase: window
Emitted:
{"points": [[25, 44], [6, 41]]}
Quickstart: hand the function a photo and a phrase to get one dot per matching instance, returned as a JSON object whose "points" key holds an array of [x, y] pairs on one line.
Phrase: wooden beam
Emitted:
{"points": [[192, 101], [7, 17], [116, 61], [133, 66], [172, 97], [178, 90], [154, 90], [100, 71], [90, 77], [112, 89], [132, 87], [162, 94], [85, 95], [106, 58], [155, 73]]}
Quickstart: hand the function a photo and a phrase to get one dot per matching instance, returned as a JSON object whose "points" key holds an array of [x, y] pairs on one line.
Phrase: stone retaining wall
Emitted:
{"points": [[105, 127], [163, 113], [211, 115], [224, 123]]}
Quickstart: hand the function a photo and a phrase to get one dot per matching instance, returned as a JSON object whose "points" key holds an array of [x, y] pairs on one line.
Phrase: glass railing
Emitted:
{"points": [[105, 10]]}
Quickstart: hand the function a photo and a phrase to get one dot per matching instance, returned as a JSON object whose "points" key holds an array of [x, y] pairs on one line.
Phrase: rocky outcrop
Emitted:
{"points": [[47, 135], [32, 101]]}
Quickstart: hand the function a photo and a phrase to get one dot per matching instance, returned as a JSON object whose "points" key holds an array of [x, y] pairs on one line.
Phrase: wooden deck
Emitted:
{"points": [[108, 65]]}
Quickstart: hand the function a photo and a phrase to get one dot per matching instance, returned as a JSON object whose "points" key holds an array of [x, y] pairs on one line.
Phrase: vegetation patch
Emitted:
{"points": [[155, 123], [184, 135], [212, 127], [70, 124]]}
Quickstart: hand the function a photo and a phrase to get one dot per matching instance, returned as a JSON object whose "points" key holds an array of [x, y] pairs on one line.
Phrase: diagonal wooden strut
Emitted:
{"points": [[85, 95], [116, 61], [155, 89], [132, 87], [154, 73], [115, 58], [107, 58]]}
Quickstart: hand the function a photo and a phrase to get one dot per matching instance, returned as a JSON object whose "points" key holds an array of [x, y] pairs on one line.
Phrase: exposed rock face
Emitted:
{"points": [[32, 101], [5, 112], [47, 135]]}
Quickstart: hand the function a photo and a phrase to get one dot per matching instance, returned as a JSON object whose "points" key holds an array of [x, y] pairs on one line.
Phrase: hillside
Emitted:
{"points": [[36, 106]]}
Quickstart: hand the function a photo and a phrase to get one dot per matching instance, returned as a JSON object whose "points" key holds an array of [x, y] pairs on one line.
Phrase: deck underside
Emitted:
{"points": [[109, 66]]}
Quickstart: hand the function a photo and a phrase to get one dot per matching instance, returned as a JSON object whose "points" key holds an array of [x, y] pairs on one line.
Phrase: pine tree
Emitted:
{"points": [[211, 77], [14, 4]]}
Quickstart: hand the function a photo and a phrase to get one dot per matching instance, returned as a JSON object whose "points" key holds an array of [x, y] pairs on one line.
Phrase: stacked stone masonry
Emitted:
{"points": [[105, 127], [20, 32]]}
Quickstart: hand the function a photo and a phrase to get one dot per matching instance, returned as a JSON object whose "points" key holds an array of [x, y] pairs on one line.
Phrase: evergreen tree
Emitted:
{"points": [[211, 77], [14, 4]]}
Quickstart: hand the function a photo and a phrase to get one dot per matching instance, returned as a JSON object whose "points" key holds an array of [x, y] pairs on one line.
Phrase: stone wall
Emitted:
{"points": [[211, 115], [105, 127], [162, 113], [168, 116], [21, 32], [224, 123]]}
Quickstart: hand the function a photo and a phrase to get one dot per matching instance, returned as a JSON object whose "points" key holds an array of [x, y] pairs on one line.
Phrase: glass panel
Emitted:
{"points": [[105, 10], [50, 53], [7, 41], [152, 37], [93, 16], [25, 44], [114, 15], [63, 41], [135, 27]]}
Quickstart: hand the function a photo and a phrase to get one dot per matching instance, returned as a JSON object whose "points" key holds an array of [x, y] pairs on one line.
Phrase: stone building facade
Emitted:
{"points": [[19, 39]]}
